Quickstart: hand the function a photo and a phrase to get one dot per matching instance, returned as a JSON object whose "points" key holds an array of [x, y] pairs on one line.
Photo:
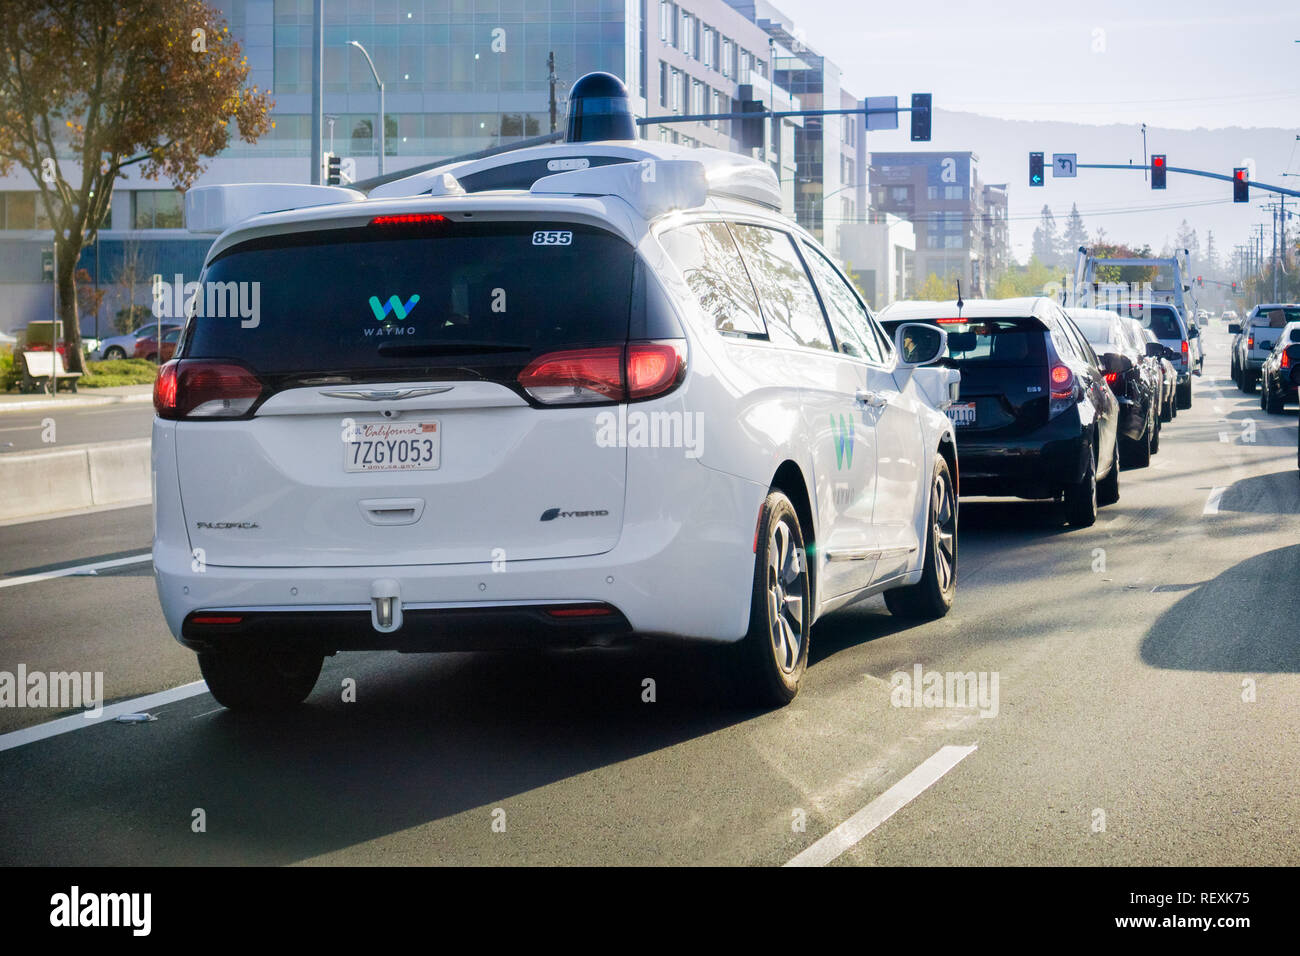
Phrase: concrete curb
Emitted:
{"points": [[78, 401], [66, 479]]}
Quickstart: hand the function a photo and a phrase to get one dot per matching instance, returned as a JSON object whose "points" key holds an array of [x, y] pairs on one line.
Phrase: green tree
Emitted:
{"points": [[1046, 247], [935, 289], [89, 88], [1075, 235]]}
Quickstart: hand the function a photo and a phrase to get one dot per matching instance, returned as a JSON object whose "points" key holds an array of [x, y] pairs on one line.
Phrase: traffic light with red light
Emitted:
{"points": [[1158, 170], [1240, 184]]}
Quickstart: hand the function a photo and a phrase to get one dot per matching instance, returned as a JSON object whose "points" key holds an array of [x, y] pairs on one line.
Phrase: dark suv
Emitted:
{"points": [[1035, 417]]}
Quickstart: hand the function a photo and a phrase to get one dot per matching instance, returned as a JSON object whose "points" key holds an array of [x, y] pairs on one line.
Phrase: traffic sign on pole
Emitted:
{"points": [[1064, 165]]}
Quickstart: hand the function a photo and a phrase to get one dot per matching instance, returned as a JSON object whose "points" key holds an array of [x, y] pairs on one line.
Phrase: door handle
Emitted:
{"points": [[871, 399]]}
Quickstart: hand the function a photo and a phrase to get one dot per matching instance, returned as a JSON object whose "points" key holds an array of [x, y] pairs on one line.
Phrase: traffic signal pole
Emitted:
{"points": [[1280, 190]]}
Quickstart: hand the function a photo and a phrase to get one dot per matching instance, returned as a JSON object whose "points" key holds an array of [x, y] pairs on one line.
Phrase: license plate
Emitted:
{"points": [[963, 414], [396, 446]]}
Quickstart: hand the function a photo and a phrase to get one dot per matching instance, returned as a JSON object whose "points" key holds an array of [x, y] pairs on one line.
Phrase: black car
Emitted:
{"points": [[1035, 417], [1136, 385], [1275, 385]]}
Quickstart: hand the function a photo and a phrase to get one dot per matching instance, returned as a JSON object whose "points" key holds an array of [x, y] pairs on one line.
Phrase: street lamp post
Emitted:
{"points": [[380, 83]]}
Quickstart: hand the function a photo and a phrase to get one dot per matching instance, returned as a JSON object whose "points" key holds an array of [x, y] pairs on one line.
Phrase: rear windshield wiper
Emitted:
{"points": [[416, 349]]}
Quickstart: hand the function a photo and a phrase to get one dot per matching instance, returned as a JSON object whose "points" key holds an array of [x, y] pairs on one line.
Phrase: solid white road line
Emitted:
{"points": [[852, 830], [79, 569], [79, 721], [1212, 502]]}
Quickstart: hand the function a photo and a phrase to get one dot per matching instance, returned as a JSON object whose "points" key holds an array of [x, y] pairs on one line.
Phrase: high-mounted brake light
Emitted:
{"points": [[951, 321], [409, 219], [196, 388], [608, 374]]}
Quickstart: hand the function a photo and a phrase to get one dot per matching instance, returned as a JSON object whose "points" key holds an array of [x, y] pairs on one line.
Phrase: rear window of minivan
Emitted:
{"points": [[381, 298]]}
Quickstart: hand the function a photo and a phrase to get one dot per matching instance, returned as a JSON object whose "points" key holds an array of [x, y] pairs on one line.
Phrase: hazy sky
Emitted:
{"points": [[1102, 61]]}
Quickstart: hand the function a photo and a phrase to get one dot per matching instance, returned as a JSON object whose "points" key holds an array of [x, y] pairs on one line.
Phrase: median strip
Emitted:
{"points": [[849, 833]]}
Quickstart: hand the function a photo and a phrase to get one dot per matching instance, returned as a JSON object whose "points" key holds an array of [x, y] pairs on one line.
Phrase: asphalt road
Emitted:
{"points": [[31, 431], [1148, 673]]}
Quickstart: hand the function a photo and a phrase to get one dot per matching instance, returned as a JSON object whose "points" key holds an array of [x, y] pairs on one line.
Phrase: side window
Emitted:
{"points": [[785, 293], [849, 317], [707, 257], [1061, 339]]}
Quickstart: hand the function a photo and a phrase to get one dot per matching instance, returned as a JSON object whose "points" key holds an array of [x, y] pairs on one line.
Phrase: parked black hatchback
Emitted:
{"points": [[1035, 417]]}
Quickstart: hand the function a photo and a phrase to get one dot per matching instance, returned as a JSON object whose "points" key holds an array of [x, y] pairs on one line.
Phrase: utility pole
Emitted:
{"points": [[550, 65], [317, 86]]}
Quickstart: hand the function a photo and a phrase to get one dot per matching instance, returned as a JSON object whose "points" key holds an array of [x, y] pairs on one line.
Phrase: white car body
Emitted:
{"points": [[256, 514]]}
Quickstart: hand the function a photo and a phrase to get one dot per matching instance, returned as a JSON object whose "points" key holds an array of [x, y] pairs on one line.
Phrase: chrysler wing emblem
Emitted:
{"points": [[388, 394]]}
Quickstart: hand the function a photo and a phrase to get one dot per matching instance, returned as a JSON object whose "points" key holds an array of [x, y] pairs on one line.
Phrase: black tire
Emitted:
{"points": [[771, 663], [1155, 434], [1081, 497], [1183, 395], [1166, 409], [114, 352], [1249, 380], [1108, 487], [932, 596], [261, 680], [1236, 379], [1137, 451], [1274, 401]]}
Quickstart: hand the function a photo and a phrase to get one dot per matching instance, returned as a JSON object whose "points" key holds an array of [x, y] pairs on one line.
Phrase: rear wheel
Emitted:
{"points": [[1108, 487], [260, 680], [1249, 380], [1184, 395], [774, 653], [1137, 451], [1081, 497], [1155, 433], [932, 596], [1274, 399], [114, 352]]}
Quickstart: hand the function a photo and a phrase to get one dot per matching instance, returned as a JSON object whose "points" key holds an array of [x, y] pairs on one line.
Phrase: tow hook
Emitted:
{"points": [[385, 605]]}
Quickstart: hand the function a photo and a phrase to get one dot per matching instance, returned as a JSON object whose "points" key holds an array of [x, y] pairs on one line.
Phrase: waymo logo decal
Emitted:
{"points": [[843, 441], [393, 305]]}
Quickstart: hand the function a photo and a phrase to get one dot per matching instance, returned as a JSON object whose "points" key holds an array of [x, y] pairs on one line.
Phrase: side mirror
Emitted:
{"points": [[1171, 354], [919, 344], [1112, 363], [1194, 332], [1156, 350], [1234, 328]]}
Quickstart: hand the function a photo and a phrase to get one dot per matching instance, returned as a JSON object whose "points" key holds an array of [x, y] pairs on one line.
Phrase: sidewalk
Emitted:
{"points": [[86, 397]]}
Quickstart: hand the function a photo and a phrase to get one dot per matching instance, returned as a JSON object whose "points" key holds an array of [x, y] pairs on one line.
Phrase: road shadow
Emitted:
{"points": [[1238, 622], [1277, 493]]}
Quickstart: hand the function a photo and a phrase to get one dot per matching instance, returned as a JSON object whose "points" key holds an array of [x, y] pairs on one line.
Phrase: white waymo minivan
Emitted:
{"points": [[559, 396]]}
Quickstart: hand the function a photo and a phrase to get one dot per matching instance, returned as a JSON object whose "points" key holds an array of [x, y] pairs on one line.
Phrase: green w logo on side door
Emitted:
{"points": [[843, 441]]}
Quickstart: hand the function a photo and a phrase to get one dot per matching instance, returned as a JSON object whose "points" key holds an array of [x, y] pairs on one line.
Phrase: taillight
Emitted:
{"points": [[607, 374], [654, 367], [1112, 378], [1250, 343], [1286, 360], [1062, 382], [576, 377], [188, 388], [409, 219]]}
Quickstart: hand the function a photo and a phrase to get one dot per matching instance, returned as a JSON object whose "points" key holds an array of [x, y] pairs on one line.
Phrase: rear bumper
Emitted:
{"points": [[683, 567], [1037, 465], [423, 628]]}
